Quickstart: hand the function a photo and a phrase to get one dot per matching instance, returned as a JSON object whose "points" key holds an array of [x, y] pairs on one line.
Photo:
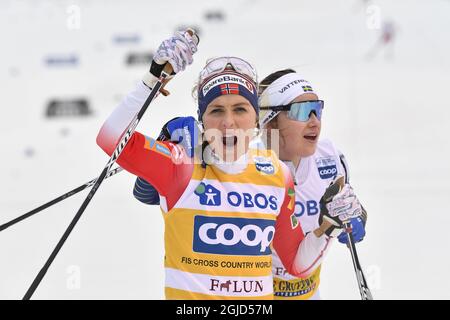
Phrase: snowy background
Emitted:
{"points": [[388, 111]]}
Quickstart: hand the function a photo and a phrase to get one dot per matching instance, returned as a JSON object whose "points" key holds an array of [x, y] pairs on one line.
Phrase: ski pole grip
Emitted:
{"points": [[168, 70], [194, 35], [168, 67]]}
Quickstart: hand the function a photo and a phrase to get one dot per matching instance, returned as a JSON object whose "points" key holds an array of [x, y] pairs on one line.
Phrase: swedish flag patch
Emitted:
{"points": [[307, 88]]}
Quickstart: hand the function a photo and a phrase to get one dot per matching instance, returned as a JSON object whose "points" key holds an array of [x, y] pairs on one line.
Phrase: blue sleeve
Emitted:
{"points": [[145, 192]]}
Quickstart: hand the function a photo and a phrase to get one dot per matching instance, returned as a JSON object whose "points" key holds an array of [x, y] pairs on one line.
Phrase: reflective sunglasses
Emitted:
{"points": [[300, 111]]}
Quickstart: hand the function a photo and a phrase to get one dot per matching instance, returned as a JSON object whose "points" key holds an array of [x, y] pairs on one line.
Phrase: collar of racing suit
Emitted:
{"points": [[300, 174], [234, 167]]}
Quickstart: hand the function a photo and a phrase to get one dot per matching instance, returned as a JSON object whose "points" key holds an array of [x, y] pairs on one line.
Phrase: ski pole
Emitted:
{"points": [[56, 200], [362, 283], [361, 279], [115, 155]]}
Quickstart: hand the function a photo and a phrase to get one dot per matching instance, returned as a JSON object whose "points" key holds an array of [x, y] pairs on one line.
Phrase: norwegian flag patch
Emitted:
{"points": [[229, 88]]}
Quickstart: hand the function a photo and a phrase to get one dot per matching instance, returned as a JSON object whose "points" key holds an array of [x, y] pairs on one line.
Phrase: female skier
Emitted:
{"points": [[223, 209], [290, 105]]}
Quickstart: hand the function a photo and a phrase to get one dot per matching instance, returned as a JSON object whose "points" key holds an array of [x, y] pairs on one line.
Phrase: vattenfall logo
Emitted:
{"points": [[286, 87], [233, 236]]}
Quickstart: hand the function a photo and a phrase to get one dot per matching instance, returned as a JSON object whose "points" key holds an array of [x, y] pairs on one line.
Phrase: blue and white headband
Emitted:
{"points": [[227, 82], [281, 92]]}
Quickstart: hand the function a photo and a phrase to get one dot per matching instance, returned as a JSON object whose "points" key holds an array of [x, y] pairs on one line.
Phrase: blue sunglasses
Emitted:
{"points": [[300, 111]]}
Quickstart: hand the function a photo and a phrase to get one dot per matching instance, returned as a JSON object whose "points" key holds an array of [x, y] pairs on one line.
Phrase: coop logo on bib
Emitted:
{"points": [[233, 236], [327, 168]]}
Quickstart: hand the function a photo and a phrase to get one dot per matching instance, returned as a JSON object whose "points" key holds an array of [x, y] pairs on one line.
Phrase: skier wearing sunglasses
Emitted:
{"points": [[224, 206], [289, 104]]}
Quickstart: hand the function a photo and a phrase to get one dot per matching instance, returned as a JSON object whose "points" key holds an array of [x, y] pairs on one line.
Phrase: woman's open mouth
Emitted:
{"points": [[311, 137], [229, 141]]}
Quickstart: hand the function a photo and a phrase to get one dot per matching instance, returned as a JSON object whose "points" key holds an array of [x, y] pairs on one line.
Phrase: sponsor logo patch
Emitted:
{"points": [[264, 165], [291, 84], [211, 196], [310, 207], [233, 236], [327, 168], [151, 144], [208, 195], [237, 286], [227, 79], [162, 149]]}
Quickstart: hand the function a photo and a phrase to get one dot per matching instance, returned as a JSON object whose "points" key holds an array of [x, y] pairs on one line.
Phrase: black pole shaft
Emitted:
{"points": [[55, 201], [123, 142], [362, 283]]}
